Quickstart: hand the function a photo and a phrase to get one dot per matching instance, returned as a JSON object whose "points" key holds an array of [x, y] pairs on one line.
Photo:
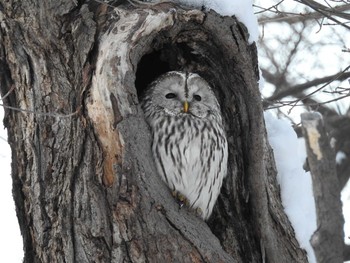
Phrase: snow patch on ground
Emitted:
{"points": [[296, 184]]}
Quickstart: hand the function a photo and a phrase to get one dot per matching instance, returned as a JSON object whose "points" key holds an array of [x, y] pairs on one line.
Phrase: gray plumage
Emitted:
{"points": [[189, 142]]}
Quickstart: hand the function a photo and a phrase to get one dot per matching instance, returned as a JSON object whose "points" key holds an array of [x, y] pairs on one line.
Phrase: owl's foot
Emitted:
{"points": [[198, 212], [180, 198]]}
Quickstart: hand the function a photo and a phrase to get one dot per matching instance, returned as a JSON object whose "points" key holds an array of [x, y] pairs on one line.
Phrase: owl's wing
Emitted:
{"points": [[208, 156], [168, 152]]}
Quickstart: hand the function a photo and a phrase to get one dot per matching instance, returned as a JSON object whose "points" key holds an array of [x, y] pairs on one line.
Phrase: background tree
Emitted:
{"points": [[306, 67], [309, 28]]}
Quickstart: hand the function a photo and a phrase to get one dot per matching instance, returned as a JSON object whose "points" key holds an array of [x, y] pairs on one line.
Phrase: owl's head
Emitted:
{"points": [[182, 93]]}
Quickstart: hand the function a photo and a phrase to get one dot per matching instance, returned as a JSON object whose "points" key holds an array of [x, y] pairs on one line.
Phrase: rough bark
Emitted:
{"points": [[346, 252], [328, 239], [85, 185]]}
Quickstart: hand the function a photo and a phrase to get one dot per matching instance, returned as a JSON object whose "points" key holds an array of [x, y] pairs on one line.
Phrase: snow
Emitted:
{"points": [[296, 184], [340, 157], [11, 240], [242, 9], [345, 197], [261, 81]]}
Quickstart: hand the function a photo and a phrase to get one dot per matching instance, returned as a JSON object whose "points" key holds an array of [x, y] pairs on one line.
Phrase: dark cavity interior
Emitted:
{"points": [[158, 62]]}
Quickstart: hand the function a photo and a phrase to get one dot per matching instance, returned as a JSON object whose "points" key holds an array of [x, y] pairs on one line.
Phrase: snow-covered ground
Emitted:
{"points": [[296, 184]]}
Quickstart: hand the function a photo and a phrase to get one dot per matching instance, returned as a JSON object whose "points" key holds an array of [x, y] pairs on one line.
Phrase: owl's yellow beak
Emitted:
{"points": [[185, 106]]}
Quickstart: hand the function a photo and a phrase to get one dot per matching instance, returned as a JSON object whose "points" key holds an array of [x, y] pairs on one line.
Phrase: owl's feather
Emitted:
{"points": [[189, 148]]}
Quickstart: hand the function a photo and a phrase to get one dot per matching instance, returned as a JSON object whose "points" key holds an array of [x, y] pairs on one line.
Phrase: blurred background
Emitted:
{"points": [[304, 57]]}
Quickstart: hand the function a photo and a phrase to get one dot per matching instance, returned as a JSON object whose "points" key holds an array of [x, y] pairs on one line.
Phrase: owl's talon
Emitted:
{"points": [[199, 211], [180, 198], [183, 200], [174, 193]]}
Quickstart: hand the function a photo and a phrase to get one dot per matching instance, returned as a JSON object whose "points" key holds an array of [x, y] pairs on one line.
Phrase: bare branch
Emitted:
{"points": [[326, 11], [297, 18], [300, 103], [317, 106], [340, 76], [273, 8]]}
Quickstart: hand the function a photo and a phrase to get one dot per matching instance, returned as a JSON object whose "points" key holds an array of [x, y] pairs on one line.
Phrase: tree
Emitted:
{"points": [[284, 71], [293, 86], [84, 182]]}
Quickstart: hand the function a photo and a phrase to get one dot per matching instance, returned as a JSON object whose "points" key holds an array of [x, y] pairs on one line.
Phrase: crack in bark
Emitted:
{"points": [[184, 236]]}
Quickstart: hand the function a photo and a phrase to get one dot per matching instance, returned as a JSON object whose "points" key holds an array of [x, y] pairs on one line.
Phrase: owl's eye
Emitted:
{"points": [[170, 95], [197, 97]]}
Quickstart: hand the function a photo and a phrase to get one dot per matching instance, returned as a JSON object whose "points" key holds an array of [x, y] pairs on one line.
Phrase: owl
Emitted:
{"points": [[189, 144]]}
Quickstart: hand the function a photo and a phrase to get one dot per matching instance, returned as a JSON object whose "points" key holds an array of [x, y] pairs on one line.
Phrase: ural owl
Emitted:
{"points": [[189, 143]]}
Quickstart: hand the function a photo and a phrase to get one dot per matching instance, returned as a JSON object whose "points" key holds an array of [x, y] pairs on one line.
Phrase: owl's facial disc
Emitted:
{"points": [[177, 93]]}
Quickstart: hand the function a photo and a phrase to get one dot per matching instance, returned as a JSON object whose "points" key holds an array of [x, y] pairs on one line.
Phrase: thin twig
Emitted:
{"points": [[56, 115], [8, 93], [325, 11], [301, 87], [294, 103], [292, 18]]}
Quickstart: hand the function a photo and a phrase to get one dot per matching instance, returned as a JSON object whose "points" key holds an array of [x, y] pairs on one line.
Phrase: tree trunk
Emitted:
{"points": [[84, 181], [328, 239]]}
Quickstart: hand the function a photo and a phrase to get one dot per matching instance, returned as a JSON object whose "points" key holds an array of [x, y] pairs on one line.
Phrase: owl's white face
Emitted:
{"points": [[172, 91]]}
